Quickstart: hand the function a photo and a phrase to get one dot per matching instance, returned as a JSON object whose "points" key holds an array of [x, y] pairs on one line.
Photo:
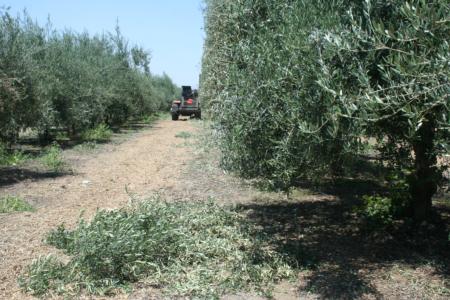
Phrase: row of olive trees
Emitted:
{"points": [[164, 91], [72, 81], [294, 87]]}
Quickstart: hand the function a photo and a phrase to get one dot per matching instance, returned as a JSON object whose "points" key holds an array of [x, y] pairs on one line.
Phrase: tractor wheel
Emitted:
{"points": [[175, 117]]}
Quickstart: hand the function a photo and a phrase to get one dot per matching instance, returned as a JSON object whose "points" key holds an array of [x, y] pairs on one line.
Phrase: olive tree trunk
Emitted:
{"points": [[424, 180]]}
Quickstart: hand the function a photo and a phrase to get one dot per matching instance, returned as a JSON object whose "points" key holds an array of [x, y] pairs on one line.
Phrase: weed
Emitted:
{"points": [[101, 133], [11, 158], [149, 119], [53, 159], [196, 249], [86, 146], [45, 273], [11, 204], [62, 136], [164, 116], [377, 211], [183, 135]]}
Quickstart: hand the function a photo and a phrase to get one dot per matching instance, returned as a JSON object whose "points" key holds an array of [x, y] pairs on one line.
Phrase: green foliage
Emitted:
{"points": [[53, 159], [11, 158], [378, 210], [61, 238], [11, 204], [86, 146], [45, 273], [183, 135], [293, 87], [402, 74], [165, 91], [193, 249], [100, 133], [72, 81], [16, 109], [381, 211], [149, 119], [62, 136], [399, 192], [262, 82]]}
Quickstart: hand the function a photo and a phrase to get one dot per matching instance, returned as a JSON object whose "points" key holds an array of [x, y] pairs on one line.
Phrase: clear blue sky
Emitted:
{"points": [[171, 29]]}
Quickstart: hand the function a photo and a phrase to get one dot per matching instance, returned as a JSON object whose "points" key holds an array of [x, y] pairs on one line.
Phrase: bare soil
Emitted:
{"points": [[336, 257]]}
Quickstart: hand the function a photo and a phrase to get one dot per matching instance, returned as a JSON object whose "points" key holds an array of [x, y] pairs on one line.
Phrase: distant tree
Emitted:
{"points": [[165, 90], [141, 58]]}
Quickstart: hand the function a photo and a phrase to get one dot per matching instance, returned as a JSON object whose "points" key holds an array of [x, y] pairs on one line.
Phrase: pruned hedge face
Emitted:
{"points": [[295, 86]]}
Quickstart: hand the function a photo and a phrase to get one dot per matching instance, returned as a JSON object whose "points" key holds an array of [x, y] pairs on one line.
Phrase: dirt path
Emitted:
{"points": [[150, 161]]}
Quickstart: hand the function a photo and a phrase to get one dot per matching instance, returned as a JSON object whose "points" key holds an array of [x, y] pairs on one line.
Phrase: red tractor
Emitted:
{"points": [[187, 106]]}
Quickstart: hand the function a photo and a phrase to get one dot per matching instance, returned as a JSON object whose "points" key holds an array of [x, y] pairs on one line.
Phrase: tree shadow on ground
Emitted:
{"points": [[14, 175], [33, 149], [322, 234], [134, 126]]}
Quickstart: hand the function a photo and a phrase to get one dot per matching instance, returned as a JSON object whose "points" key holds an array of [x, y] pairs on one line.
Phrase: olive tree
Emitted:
{"points": [[53, 80], [293, 87], [404, 87]]}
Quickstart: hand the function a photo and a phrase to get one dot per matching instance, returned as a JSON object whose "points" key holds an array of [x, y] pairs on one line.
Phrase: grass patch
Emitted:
{"points": [[183, 135], [11, 204], [53, 160], [149, 119], [62, 136], [101, 133], [86, 146], [198, 249], [11, 158]]}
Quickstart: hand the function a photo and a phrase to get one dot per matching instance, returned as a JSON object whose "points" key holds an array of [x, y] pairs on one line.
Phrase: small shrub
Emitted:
{"points": [[381, 211], [399, 193], [11, 158], [197, 249], [183, 135], [62, 136], [45, 273], [101, 133], [11, 204], [53, 159], [377, 211]]}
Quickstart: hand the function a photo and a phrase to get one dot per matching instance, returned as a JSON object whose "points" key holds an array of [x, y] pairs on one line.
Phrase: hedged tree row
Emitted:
{"points": [[72, 81], [296, 87]]}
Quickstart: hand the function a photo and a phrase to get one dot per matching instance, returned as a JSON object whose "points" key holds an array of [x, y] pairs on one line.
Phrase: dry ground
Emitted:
{"points": [[315, 227]]}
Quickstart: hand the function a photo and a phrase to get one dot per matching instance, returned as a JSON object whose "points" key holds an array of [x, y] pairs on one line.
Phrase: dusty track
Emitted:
{"points": [[149, 161]]}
